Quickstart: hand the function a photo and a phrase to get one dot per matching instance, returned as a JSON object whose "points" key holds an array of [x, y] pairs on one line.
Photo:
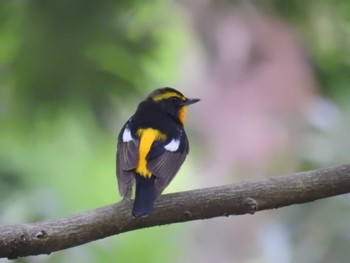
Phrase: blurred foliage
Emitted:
{"points": [[324, 26], [67, 71], [57, 54]]}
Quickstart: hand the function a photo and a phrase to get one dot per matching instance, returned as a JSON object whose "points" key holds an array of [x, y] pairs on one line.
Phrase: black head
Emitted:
{"points": [[172, 101]]}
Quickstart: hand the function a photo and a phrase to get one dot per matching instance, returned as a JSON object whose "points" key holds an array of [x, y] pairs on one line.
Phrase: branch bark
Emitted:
{"points": [[242, 198]]}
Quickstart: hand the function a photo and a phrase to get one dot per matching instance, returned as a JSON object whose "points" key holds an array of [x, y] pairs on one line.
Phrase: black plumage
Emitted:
{"points": [[156, 127]]}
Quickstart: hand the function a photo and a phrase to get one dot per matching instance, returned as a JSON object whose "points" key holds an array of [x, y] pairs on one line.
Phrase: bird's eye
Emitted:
{"points": [[174, 99]]}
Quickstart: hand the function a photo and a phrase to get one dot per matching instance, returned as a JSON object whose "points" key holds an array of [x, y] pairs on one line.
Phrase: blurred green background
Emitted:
{"points": [[71, 73]]}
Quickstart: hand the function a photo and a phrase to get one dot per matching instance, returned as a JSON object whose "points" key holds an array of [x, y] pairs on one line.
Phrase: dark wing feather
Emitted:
{"points": [[127, 158], [166, 165]]}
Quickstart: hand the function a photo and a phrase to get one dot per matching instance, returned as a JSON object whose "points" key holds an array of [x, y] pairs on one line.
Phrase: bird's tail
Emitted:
{"points": [[144, 196]]}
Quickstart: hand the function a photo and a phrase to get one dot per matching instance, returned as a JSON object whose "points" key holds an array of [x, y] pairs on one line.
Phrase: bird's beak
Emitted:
{"points": [[190, 101]]}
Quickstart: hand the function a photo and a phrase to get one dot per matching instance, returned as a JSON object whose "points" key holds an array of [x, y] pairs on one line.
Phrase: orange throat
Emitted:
{"points": [[182, 114]]}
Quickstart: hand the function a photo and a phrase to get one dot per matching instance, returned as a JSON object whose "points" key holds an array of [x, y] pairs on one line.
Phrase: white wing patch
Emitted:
{"points": [[173, 145], [127, 135]]}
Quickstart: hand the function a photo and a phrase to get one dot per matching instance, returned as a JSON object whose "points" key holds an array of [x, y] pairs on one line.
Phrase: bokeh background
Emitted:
{"points": [[274, 81]]}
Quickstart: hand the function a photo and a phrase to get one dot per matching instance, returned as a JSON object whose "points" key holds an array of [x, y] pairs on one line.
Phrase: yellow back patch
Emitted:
{"points": [[167, 95], [147, 137]]}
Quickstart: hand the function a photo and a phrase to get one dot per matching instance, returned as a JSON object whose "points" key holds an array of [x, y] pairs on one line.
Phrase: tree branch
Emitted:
{"points": [[242, 198]]}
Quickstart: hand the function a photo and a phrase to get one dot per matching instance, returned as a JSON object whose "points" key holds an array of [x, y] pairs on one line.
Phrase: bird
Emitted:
{"points": [[152, 146]]}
